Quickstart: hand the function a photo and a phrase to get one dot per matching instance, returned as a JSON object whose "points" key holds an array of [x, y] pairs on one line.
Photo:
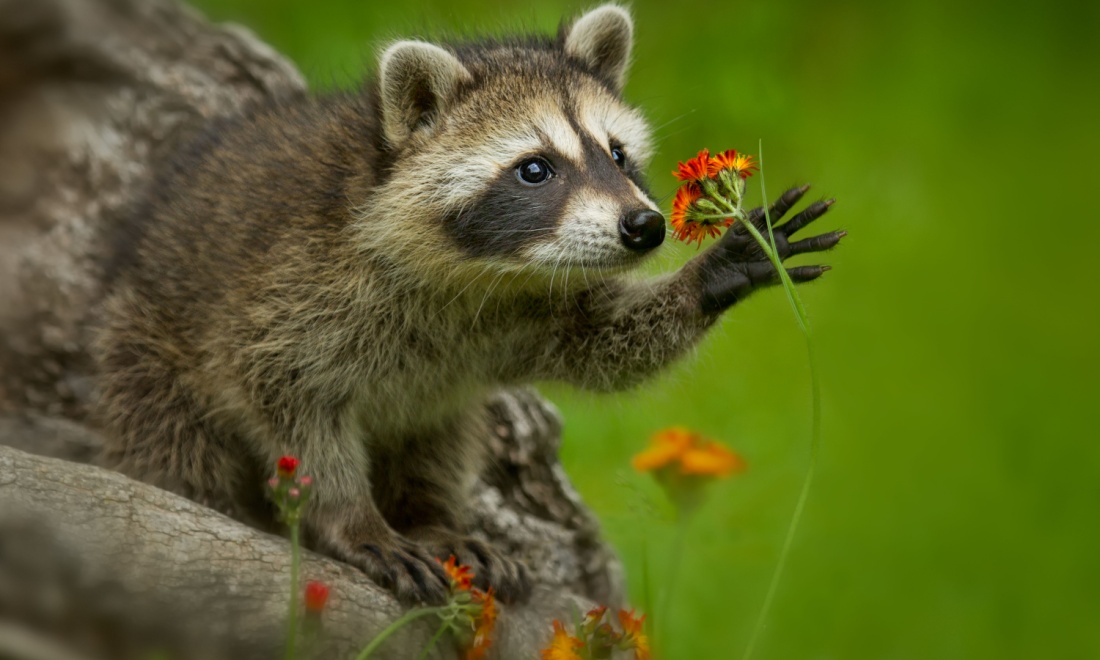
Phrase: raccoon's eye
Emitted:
{"points": [[534, 171], [619, 156]]}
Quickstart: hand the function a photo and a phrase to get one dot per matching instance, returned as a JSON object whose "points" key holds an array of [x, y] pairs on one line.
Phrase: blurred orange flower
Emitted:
{"points": [[687, 450], [484, 624], [461, 576], [633, 634], [563, 647]]}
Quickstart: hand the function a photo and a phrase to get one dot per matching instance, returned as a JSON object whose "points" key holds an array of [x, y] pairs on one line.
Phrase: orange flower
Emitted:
{"points": [[694, 169], [740, 164], [711, 459], [633, 635], [693, 230], [685, 196], [484, 624], [461, 576], [563, 647], [664, 447], [687, 448], [593, 617]]}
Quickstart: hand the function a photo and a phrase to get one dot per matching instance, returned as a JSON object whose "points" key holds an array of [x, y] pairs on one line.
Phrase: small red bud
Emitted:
{"points": [[273, 482], [305, 482], [316, 596], [294, 493], [287, 466]]}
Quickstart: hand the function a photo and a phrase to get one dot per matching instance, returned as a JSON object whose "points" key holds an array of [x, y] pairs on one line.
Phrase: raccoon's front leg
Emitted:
{"points": [[421, 485], [343, 521], [618, 333]]}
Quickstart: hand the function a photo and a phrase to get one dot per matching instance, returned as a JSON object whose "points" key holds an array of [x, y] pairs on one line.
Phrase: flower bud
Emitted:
{"points": [[316, 596], [287, 467]]}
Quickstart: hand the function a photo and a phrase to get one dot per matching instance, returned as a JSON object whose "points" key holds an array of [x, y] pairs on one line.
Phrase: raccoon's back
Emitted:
{"points": [[239, 200]]}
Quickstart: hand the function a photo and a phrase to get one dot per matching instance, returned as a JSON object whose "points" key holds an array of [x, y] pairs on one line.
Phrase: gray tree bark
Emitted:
{"points": [[93, 564]]}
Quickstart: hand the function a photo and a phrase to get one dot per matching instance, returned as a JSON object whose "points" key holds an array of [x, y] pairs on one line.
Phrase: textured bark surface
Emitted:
{"points": [[93, 564]]}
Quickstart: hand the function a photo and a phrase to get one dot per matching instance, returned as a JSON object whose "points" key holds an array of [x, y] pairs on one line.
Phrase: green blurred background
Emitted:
{"points": [[956, 513]]}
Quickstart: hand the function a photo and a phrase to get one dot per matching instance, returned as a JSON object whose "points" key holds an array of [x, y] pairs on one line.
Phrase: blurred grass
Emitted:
{"points": [[956, 513]]}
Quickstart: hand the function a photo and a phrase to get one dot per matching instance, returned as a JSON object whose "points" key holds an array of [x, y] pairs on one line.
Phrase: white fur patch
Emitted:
{"points": [[561, 136], [609, 121], [588, 234]]}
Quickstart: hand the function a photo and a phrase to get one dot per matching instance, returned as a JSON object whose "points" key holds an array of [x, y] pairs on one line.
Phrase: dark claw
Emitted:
{"points": [[437, 570], [817, 243], [415, 572], [479, 550], [806, 273], [812, 212]]}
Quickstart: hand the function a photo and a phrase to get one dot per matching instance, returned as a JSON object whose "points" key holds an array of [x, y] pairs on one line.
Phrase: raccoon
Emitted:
{"points": [[347, 278]]}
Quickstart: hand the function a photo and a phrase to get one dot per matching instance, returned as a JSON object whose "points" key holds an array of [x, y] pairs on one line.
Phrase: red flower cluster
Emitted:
{"points": [[289, 491], [700, 174]]}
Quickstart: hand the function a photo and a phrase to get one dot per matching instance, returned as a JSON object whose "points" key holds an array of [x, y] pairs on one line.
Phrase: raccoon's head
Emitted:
{"points": [[520, 152]]}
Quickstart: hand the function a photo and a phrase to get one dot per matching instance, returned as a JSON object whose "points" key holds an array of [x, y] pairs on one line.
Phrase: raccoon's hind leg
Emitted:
{"points": [[422, 488], [156, 432]]}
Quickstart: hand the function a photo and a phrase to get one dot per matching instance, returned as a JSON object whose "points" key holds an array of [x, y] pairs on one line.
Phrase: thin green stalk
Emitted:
{"points": [[292, 610], [432, 642], [682, 521], [815, 394], [409, 617], [647, 593]]}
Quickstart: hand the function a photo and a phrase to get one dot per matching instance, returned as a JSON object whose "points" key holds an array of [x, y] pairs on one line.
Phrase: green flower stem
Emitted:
{"points": [[409, 617], [432, 642], [292, 609], [683, 520], [815, 395], [647, 585]]}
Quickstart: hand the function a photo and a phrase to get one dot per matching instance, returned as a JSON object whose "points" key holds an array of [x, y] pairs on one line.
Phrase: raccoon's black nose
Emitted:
{"points": [[642, 230]]}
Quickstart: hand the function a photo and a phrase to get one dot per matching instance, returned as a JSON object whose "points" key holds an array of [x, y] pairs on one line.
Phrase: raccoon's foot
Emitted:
{"points": [[737, 265], [392, 561], [510, 579]]}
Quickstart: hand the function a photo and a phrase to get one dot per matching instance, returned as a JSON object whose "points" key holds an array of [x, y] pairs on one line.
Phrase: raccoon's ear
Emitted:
{"points": [[417, 80], [602, 39]]}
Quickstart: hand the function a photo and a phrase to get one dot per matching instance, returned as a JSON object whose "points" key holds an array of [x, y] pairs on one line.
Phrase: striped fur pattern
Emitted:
{"points": [[346, 279]]}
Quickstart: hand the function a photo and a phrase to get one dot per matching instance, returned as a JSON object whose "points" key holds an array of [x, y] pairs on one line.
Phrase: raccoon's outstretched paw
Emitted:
{"points": [[737, 265], [509, 578]]}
